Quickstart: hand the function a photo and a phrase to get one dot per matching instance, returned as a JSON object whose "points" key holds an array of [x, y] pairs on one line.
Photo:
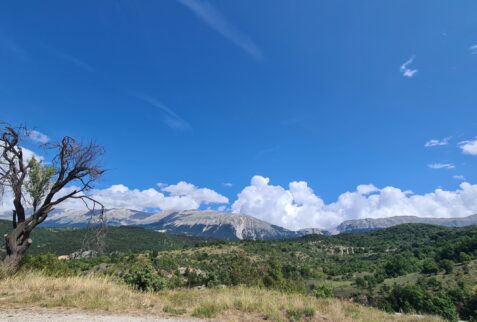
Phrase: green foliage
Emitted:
{"points": [[429, 267], [322, 291], [416, 255], [447, 265], [64, 241], [400, 265], [145, 278], [39, 181], [414, 298]]}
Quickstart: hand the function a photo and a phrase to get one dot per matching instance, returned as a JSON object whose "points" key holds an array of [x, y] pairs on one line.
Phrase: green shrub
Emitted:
{"points": [[322, 291], [145, 278], [429, 267]]}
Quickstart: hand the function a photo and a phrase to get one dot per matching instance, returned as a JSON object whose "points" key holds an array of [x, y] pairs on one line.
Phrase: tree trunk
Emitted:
{"points": [[17, 243]]}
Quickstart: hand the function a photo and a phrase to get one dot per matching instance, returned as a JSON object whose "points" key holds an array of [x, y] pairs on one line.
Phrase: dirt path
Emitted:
{"points": [[59, 315]]}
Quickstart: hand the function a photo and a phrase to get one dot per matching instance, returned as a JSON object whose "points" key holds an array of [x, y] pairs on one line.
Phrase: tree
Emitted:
{"points": [[39, 181], [447, 265], [73, 169], [429, 267]]}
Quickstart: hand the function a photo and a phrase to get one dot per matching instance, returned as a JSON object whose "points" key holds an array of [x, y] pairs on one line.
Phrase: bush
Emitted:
{"points": [[322, 291], [429, 267], [400, 265], [145, 278], [414, 298], [447, 265]]}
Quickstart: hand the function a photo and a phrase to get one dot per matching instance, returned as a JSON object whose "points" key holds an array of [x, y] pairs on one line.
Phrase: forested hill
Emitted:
{"points": [[124, 239], [64, 241], [411, 268], [405, 235]]}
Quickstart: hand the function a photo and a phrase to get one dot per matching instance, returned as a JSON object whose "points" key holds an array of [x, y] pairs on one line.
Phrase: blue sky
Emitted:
{"points": [[333, 93]]}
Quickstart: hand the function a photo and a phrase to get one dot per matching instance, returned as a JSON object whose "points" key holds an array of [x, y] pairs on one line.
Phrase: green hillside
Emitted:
{"points": [[63, 241], [410, 268]]}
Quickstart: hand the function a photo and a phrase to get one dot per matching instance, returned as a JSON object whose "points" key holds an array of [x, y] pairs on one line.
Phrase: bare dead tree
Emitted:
{"points": [[76, 168]]}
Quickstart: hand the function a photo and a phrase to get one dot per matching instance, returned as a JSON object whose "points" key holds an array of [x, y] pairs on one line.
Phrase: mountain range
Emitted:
{"points": [[360, 225], [211, 224], [228, 226]]}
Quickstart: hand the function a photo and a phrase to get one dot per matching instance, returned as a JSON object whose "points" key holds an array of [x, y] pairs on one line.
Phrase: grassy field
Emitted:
{"points": [[224, 304]]}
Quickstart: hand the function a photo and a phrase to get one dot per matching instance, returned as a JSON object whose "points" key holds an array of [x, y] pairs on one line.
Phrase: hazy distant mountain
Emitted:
{"points": [[223, 225], [359, 225], [212, 224], [312, 231], [80, 218], [216, 225]]}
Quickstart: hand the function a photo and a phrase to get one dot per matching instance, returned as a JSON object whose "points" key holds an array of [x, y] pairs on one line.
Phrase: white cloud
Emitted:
{"points": [[228, 184], [473, 49], [441, 166], [469, 147], [406, 71], [459, 177], [217, 21], [365, 189], [201, 195], [435, 142], [38, 136], [299, 207], [180, 196]]}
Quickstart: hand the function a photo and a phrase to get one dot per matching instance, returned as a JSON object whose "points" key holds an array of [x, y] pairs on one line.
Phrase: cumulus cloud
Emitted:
{"points": [[441, 166], [180, 196], [434, 142], [297, 206], [406, 71], [38, 136], [469, 147], [202, 195]]}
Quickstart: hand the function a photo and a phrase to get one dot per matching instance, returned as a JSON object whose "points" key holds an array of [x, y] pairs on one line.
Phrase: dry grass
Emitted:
{"points": [[230, 304]]}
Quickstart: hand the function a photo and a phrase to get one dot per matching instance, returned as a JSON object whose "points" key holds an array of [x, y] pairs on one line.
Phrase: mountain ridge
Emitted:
{"points": [[368, 224], [231, 226]]}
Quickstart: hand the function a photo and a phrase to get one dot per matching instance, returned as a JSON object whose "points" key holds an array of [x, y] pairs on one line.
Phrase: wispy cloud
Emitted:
{"points": [[406, 71], [217, 21], [459, 177], [38, 136], [435, 142], [170, 118], [473, 49], [441, 166], [73, 60], [227, 184], [469, 147], [9, 46]]}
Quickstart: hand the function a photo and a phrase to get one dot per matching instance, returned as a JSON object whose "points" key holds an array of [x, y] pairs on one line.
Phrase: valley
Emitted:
{"points": [[394, 269]]}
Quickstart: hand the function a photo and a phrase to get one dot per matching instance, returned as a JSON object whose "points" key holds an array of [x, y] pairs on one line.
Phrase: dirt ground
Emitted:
{"points": [[60, 315]]}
